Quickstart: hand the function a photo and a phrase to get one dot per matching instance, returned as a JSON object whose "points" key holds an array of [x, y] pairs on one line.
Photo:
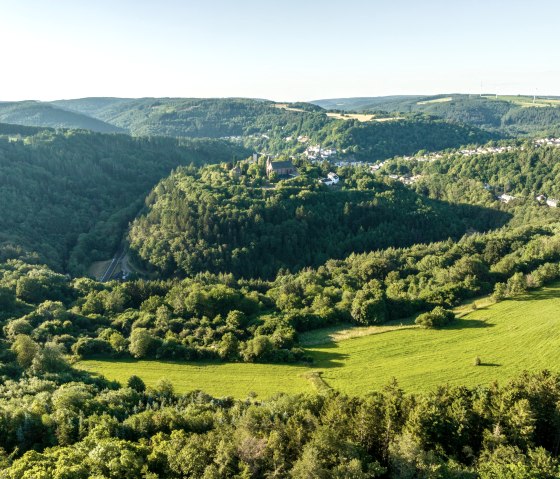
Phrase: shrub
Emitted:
{"points": [[436, 318], [136, 383]]}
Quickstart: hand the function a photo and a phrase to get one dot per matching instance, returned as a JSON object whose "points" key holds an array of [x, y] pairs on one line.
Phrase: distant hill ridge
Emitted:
{"points": [[39, 114], [514, 115]]}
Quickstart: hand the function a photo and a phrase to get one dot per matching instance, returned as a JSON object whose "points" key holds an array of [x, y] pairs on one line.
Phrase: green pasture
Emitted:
{"points": [[509, 337]]}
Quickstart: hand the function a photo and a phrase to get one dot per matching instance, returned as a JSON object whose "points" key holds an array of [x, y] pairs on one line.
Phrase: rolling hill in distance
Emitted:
{"points": [[33, 113], [184, 117]]}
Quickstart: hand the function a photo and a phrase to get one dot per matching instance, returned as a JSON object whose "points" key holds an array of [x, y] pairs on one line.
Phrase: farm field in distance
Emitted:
{"points": [[509, 337], [526, 101]]}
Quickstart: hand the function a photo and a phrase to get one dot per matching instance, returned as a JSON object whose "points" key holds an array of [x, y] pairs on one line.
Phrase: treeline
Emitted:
{"points": [[218, 317], [68, 196], [63, 426], [220, 219]]}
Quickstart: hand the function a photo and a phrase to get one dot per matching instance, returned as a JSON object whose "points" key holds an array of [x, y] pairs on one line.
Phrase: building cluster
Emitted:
{"points": [[315, 153], [548, 142], [485, 150], [542, 199], [406, 179], [551, 202]]}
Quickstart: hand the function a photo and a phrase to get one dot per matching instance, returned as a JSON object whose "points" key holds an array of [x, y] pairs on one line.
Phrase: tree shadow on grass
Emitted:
{"points": [[327, 357], [468, 324], [490, 365], [538, 295]]}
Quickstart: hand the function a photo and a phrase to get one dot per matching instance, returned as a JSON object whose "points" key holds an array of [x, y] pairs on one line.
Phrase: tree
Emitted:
{"points": [[136, 383], [25, 349], [142, 343], [368, 306], [516, 285], [49, 359]]}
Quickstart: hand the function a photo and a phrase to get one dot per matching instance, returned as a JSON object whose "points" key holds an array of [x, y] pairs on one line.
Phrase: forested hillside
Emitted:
{"points": [[526, 171], [277, 128], [33, 113], [67, 196], [510, 115], [213, 219]]}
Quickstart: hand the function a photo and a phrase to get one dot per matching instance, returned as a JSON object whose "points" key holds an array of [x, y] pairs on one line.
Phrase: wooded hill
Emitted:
{"points": [[34, 113], [509, 115], [67, 196], [260, 124], [211, 219]]}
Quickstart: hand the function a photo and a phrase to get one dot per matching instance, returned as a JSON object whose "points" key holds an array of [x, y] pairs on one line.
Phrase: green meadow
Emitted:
{"points": [[509, 337]]}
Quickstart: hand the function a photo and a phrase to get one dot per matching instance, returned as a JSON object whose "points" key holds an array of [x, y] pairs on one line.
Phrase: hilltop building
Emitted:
{"points": [[281, 168]]}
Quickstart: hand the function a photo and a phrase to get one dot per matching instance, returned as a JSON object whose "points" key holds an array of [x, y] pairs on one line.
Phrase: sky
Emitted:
{"points": [[287, 50]]}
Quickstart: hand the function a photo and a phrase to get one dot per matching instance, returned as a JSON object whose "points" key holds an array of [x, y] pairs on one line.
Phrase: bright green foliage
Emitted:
{"points": [[504, 335], [436, 318]]}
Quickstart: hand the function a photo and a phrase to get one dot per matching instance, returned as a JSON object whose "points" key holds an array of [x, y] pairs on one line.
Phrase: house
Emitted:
{"points": [[552, 203], [541, 198], [506, 198], [281, 168], [333, 177]]}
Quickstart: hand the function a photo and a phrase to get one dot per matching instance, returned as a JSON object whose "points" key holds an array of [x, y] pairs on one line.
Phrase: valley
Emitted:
{"points": [[217, 268]]}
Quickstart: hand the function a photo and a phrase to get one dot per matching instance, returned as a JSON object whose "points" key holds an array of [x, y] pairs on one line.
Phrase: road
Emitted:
{"points": [[113, 266]]}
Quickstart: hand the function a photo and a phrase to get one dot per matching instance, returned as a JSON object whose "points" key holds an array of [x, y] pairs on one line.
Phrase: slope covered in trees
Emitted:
{"points": [[34, 113], [277, 127], [216, 220], [503, 115], [219, 317], [526, 171], [67, 196]]}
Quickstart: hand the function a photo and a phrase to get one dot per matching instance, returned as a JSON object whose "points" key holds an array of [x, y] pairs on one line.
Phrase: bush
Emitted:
{"points": [[436, 318], [136, 383]]}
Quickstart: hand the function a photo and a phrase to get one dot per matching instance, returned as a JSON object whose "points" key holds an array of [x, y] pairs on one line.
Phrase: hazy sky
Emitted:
{"points": [[282, 50]]}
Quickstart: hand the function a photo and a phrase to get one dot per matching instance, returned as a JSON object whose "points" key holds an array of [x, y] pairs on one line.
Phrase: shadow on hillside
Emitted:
{"points": [[469, 324], [539, 295], [490, 365], [327, 357]]}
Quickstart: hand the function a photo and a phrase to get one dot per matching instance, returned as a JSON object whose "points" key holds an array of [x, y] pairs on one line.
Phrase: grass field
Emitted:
{"points": [[437, 100], [508, 337], [98, 268], [526, 101], [362, 117]]}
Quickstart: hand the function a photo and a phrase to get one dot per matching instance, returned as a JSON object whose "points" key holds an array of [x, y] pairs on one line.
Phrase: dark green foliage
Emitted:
{"points": [[69, 196], [266, 126], [136, 383], [34, 113], [207, 220]]}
